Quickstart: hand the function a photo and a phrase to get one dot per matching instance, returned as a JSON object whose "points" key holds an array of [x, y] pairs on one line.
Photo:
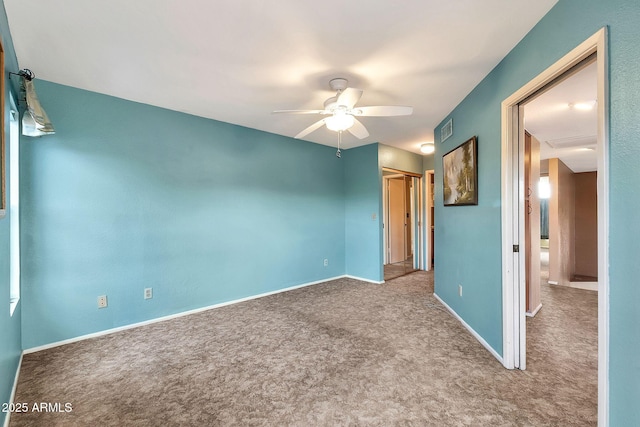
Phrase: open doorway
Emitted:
{"points": [[560, 221], [515, 208], [401, 209], [561, 181]]}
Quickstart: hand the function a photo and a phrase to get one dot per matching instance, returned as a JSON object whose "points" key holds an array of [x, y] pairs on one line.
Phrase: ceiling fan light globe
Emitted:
{"points": [[339, 122], [428, 148]]}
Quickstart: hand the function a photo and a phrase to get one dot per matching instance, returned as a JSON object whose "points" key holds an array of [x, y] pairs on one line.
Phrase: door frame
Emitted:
{"points": [[513, 287], [389, 228], [385, 215], [428, 204], [416, 215]]}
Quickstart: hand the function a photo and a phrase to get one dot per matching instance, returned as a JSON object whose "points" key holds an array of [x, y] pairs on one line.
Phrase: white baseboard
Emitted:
{"points": [[534, 312], [13, 390], [347, 276], [589, 286], [173, 316], [470, 329]]}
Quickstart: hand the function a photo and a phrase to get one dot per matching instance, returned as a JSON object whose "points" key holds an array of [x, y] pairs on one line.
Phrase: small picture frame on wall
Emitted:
{"points": [[460, 174]]}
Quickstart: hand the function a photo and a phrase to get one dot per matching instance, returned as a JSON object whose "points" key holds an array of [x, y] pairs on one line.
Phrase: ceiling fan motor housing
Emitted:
{"points": [[338, 84], [331, 103]]}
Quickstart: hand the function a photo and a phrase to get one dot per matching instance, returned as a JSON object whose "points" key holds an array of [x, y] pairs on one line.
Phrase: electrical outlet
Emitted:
{"points": [[102, 301], [148, 293], [460, 290], [326, 262]]}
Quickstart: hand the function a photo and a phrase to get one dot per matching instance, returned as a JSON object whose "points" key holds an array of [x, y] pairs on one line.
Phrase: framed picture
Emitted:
{"points": [[460, 171]]}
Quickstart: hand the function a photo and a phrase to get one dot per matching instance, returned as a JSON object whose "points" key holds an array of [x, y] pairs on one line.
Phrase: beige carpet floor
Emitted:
{"points": [[339, 353]]}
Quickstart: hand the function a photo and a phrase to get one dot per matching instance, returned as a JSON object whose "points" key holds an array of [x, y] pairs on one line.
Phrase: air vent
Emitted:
{"points": [[446, 130]]}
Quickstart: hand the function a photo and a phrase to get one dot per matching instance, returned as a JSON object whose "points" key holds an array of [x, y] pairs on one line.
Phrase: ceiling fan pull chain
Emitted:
{"points": [[338, 154]]}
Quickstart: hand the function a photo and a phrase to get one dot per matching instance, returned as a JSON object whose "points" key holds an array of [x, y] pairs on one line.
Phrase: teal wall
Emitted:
{"points": [[468, 238], [126, 196], [363, 198], [10, 331]]}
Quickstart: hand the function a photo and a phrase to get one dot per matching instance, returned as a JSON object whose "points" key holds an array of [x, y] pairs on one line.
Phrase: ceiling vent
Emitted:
{"points": [[446, 130], [573, 141]]}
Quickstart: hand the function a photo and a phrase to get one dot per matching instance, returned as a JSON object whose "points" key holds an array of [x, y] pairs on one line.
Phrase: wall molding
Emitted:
{"points": [[362, 279], [13, 390], [587, 286], [534, 312], [471, 330], [177, 315]]}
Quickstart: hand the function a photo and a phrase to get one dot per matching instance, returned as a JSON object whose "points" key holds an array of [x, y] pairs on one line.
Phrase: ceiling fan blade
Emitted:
{"points": [[383, 110], [358, 130], [310, 129], [349, 97], [299, 112]]}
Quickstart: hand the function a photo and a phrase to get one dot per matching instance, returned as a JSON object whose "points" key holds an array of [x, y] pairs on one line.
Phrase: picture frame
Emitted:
{"points": [[460, 174]]}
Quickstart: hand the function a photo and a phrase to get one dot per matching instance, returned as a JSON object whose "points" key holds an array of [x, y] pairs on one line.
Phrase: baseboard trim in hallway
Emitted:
{"points": [[534, 312], [181, 314], [471, 330], [587, 286]]}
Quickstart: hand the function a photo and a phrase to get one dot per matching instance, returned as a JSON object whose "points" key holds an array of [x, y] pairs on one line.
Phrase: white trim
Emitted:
{"points": [[14, 207], [508, 318], [375, 282], [470, 329], [176, 315], [385, 220], [534, 312], [510, 283], [587, 286], [13, 390], [603, 227], [428, 203], [416, 223]]}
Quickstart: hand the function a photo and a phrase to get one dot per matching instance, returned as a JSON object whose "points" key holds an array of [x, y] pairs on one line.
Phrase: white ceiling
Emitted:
{"points": [[564, 130], [236, 61]]}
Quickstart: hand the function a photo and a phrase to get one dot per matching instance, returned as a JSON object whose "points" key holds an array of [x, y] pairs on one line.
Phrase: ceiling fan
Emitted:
{"points": [[342, 112]]}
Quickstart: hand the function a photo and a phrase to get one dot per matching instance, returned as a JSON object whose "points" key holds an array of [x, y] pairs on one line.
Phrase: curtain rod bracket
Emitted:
{"points": [[25, 74]]}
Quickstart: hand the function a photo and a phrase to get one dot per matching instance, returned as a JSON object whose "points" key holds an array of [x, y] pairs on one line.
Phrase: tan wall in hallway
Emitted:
{"points": [[586, 224], [561, 222]]}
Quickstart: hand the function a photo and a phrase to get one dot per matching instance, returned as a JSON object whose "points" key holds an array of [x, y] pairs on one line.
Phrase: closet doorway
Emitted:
{"points": [[401, 206]]}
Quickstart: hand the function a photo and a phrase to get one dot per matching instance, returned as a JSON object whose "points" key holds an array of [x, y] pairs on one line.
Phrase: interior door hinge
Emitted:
{"points": [[516, 248]]}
